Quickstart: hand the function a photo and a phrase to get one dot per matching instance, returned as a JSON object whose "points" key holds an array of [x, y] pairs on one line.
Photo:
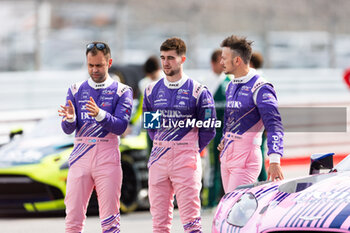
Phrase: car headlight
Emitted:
{"points": [[242, 210]]}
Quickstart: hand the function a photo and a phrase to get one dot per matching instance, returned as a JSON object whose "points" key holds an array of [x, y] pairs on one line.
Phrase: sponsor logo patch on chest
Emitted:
{"points": [[234, 104], [245, 88]]}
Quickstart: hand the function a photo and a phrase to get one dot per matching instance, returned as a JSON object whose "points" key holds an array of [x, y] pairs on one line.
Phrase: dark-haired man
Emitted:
{"points": [[152, 70], [174, 163], [217, 86], [251, 105], [98, 110], [256, 62]]}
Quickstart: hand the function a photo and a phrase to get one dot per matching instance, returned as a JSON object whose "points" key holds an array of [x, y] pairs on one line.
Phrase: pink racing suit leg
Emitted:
{"points": [[107, 174], [79, 188], [225, 175], [244, 175], [161, 196], [240, 164], [108, 187], [187, 185]]}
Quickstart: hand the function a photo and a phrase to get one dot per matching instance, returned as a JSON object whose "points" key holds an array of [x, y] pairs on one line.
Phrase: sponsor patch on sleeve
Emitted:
{"points": [[268, 97]]}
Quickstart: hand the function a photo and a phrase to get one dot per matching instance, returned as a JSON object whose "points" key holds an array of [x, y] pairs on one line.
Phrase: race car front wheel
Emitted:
{"points": [[130, 185]]}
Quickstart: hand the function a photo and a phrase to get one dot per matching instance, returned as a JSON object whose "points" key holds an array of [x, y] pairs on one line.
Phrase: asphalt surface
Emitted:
{"points": [[137, 222]]}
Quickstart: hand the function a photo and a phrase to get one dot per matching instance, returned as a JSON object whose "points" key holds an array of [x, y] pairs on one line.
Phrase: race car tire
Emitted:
{"points": [[130, 185]]}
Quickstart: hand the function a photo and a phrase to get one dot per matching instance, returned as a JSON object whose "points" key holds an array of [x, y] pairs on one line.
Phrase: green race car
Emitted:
{"points": [[34, 168]]}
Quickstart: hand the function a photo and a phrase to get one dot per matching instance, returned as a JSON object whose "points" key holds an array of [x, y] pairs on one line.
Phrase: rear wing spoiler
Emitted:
{"points": [[321, 161]]}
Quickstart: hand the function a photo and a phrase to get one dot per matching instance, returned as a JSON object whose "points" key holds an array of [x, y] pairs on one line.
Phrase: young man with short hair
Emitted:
{"points": [[251, 106], [174, 163]]}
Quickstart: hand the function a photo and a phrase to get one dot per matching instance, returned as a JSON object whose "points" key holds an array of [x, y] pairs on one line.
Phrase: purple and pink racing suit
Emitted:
{"points": [[95, 159], [251, 105], [174, 163]]}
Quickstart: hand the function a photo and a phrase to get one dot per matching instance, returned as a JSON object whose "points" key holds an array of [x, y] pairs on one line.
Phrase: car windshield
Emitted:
{"points": [[47, 127], [299, 184]]}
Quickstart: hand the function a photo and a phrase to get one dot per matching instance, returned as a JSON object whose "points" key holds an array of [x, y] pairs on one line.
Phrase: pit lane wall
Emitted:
{"points": [[28, 96]]}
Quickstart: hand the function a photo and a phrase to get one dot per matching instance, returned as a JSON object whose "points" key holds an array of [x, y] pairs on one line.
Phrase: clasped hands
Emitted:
{"points": [[68, 112]]}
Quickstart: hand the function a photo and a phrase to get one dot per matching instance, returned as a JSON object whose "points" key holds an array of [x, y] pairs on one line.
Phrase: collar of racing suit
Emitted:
{"points": [[104, 84], [177, 84], [252, 72]]}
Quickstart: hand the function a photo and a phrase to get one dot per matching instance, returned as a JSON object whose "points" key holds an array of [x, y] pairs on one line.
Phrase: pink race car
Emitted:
{"points": [[315, 203]]}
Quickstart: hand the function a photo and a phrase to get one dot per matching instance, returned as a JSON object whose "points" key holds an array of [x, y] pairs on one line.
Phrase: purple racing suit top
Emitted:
{"points": [[115, 102], [251, 105], [185, 100]]}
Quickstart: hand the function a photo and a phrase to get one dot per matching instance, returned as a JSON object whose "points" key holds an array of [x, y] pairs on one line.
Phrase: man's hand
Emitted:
{"points": [[275, 172], [92, 107], [67, 112], [221, 145]]}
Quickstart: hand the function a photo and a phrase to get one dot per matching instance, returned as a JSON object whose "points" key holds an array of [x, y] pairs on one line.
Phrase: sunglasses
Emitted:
{"points": [[99, 46]]}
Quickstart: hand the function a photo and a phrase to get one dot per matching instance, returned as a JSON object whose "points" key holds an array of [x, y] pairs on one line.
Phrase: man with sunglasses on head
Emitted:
{"points": [[98, 110], [174, 164], [251, 106]]}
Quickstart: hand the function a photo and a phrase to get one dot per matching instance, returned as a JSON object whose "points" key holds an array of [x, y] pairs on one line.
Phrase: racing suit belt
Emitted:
{"points": [[94, 140], [255, 137], [174, 144]]}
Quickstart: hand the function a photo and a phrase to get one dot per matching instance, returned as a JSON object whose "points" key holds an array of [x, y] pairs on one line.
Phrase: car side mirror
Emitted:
{"points": [[321, 161]]}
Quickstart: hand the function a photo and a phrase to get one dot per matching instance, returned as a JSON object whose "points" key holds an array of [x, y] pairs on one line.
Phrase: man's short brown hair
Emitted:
{"points": [[174, 43], [216, 56], [257, 60], [240, 45]]}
